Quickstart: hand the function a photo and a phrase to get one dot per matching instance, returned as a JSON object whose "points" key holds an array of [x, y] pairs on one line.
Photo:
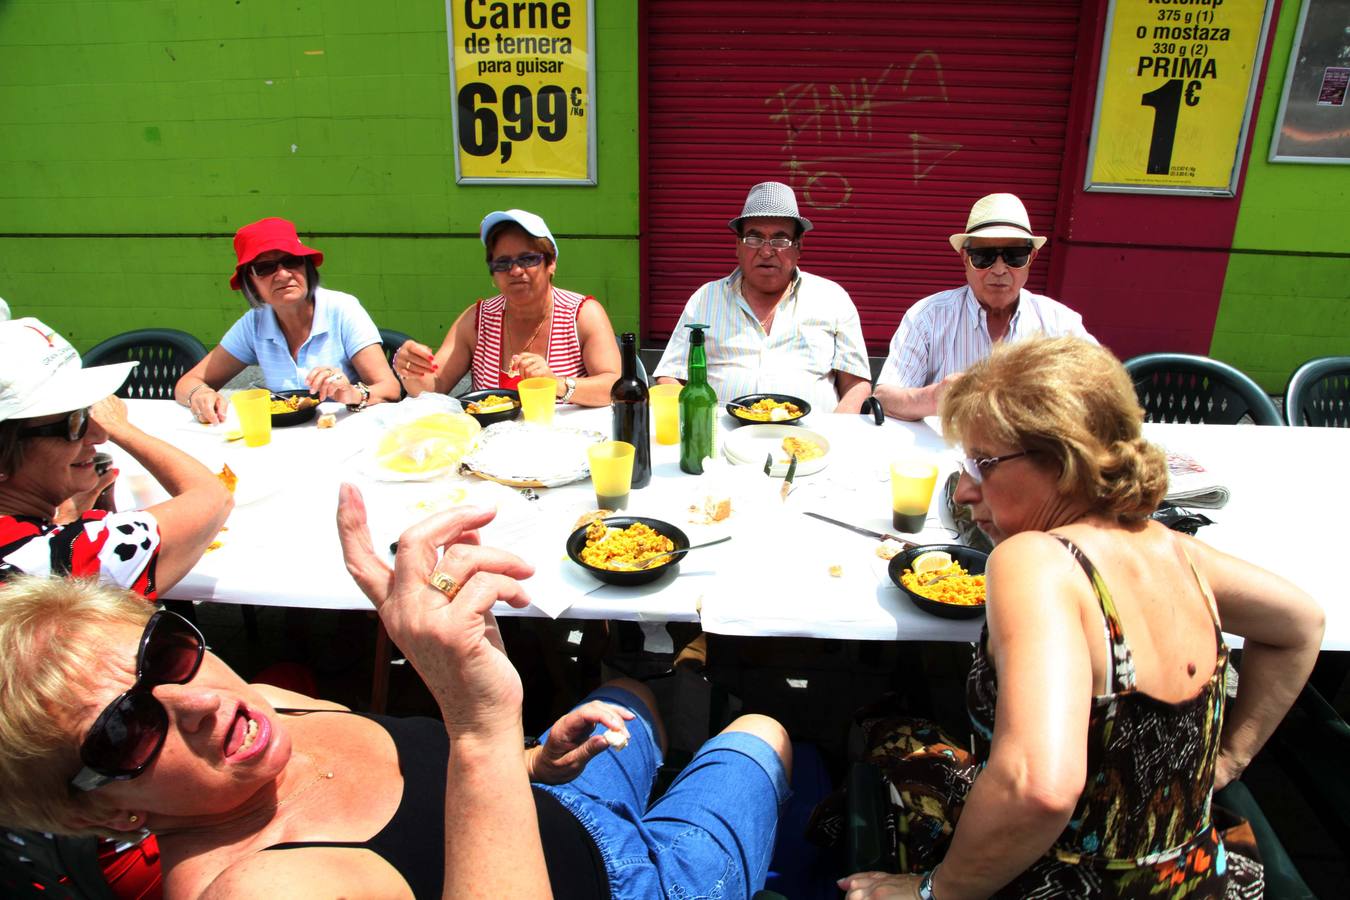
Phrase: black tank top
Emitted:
{"points": [[413, 840]]}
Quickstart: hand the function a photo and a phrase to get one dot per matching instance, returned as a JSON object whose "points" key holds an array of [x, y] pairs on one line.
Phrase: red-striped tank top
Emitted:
{"points": [[563, 352]]}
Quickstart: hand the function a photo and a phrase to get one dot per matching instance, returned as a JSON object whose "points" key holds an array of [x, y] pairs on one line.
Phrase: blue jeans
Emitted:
{"points": [[710, 835]]}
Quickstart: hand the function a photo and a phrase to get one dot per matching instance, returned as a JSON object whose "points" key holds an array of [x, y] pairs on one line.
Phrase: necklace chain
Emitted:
{"points": [[322, 775], [506, 328]]}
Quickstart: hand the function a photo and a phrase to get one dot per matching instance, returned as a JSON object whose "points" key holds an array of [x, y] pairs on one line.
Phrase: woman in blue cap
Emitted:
{"points": [[531, 329]]}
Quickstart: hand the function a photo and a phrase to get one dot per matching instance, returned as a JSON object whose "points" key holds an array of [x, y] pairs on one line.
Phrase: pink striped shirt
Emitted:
{"points": [[563, 352]]}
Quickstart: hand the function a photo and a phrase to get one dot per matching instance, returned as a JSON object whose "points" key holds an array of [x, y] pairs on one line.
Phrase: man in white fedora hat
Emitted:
{"points": [[945, 333], [772, 327]]}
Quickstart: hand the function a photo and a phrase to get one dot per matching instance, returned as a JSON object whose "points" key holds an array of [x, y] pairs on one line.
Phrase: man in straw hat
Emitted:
{"points": [[945, 333], [773, 327]]}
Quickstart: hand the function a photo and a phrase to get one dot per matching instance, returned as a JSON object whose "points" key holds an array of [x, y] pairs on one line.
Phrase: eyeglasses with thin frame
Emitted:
{"points": [[72, 427], [983, 257], [507, 263], [979, 466], [267, 267], [755, 241], [130, 732]]}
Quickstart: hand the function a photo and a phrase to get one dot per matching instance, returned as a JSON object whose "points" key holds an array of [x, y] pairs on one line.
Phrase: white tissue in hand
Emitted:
{"points": [[617, 739]]}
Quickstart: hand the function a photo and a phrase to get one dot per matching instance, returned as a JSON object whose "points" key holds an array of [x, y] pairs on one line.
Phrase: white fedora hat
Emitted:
{"points": [[770, 200], [40, 373], [997, 216]]}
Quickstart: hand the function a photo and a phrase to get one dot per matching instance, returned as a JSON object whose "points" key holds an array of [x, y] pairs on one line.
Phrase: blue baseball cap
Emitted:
{"points": [[529, 221]]}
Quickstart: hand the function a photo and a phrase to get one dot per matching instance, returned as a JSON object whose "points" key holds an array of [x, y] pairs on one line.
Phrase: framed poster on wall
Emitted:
{"points": [[1313, 124], [522, 83], [1174, 96]]}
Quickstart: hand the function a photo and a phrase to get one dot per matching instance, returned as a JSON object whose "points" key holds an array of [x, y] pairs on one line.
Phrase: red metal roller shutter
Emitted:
{"points": [[888, 118]]}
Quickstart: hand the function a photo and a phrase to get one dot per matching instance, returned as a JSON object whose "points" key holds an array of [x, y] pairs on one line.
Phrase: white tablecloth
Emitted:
{"points": [[773, 578]]}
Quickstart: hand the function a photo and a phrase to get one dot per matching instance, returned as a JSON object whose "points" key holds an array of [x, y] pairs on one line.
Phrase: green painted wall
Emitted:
{"points": [[1286, 296], [137, 135]]}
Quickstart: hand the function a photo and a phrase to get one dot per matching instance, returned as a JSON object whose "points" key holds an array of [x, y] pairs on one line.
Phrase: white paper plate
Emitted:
{"points": [[749, 444], [524, 454]]}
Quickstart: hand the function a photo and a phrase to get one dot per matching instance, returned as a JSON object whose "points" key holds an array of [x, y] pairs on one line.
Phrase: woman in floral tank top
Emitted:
{"points": [[1097, 691]]}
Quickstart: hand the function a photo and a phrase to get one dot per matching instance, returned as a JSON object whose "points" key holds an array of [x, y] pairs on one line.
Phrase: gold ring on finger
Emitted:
{"points": [[445, 584]]}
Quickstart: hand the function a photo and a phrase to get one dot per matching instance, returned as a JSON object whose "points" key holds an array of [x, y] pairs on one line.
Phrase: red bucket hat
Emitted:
{"points": [[256, 238]]}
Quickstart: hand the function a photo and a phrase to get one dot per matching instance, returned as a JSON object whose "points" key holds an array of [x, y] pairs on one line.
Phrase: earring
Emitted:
{"points": [[134, 818]]}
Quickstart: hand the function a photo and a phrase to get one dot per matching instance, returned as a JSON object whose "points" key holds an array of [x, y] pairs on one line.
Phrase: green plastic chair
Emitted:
{"points": [[164, 355], [1318, 393], [1179, 387]]}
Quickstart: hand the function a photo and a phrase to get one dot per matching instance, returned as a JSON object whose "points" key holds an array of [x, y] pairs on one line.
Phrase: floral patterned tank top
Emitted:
{"points": [[1142, 825]]}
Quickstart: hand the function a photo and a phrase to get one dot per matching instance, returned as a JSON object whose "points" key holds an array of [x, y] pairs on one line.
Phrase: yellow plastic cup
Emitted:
{"points": [[255, 415], [665, 400], [912, 481], [611, 473], [537, 396]]}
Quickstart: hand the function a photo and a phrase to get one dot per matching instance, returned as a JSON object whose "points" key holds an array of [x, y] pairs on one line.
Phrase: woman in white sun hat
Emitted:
{"points": [[53, 413]]}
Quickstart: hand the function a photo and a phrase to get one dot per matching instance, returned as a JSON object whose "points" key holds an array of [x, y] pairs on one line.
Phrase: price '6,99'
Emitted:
{"points": [[484, 131]]}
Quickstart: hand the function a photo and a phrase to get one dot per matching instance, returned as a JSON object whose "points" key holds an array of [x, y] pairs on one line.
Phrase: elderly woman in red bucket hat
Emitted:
{"points": [[302, 335]]}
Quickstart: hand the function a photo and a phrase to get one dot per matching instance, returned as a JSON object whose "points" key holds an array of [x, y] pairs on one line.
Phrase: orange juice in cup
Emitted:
{"points": [[912, 481]]}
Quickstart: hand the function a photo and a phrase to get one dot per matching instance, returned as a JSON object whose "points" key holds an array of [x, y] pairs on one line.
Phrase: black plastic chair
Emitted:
{"points": [[1319, 393], [164, 355], [1179, 387]]}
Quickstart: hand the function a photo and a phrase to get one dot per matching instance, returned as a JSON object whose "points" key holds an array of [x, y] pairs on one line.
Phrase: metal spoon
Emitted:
{"points": [[650, 561]]}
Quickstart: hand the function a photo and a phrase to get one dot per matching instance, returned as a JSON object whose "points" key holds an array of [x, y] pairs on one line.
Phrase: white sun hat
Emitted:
{"points": [[40, 373], [997, 216]]}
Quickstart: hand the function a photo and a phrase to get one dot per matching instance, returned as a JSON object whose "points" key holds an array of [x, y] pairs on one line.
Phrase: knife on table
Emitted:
{"points": [[858, 529]]}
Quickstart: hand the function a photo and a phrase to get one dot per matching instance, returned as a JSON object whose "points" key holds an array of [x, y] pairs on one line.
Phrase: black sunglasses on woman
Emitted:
{"points": [[130, 732]]}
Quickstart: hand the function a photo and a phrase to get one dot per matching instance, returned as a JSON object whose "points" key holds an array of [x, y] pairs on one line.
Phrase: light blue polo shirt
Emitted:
{"points": [[341, 328]]}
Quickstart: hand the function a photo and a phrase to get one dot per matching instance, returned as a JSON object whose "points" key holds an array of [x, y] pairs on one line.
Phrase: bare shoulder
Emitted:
{"points": [[1030, 558], [1029, 575], [347, 872], [592, 316]]}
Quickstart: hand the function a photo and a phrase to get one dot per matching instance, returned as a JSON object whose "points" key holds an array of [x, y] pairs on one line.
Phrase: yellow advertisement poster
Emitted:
{"points": [[522, 78], [1175, 93]]}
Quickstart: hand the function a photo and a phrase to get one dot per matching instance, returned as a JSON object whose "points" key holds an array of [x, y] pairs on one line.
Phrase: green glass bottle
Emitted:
{"points": [[698, 407]]}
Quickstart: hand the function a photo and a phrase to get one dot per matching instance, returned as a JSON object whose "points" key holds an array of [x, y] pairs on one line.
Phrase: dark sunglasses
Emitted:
{"points": [[983, 257], [129, 733], [524, 260], [72, 427], [979, 466], [265, 268]]}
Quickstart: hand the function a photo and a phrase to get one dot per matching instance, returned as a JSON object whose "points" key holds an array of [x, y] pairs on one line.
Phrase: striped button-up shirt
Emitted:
{"points": [[947, 332], [814, 333]]}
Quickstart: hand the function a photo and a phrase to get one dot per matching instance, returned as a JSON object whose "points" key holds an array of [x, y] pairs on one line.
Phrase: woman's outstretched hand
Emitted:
{"points": [[570, 745], [450, 637]]}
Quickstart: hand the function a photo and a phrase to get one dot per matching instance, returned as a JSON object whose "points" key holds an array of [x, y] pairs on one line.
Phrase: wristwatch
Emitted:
{"points": [[570, 388], [365, 398], [926, 885]]}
